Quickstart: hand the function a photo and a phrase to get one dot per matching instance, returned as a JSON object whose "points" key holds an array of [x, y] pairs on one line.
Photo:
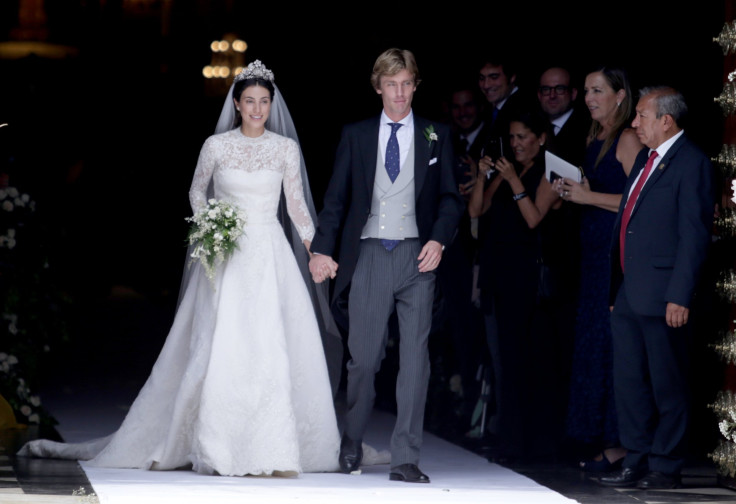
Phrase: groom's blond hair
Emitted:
{"points": [[391, 62]]}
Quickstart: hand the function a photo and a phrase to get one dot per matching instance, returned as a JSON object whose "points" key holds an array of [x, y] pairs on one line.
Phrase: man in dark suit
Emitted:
{"points": [[569, 125], [466, 114], [660, 242], [497, 82], [391, 206]]}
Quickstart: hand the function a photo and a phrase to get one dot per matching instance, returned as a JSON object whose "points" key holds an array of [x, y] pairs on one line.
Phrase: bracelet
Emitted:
{"points": [[519, 196]]}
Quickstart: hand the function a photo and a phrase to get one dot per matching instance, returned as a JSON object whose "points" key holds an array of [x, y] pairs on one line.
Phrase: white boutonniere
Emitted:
{"points": [[430, 134]]}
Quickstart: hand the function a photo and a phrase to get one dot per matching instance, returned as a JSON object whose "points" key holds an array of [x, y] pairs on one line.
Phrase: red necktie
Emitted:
{"points": [[631, 202]]}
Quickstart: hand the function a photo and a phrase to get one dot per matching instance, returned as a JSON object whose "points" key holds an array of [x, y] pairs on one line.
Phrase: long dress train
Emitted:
{"points": [[241, 385]]}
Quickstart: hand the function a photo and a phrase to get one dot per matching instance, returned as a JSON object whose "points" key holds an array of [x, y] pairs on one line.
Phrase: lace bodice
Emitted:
{"points": [[250, 172]]}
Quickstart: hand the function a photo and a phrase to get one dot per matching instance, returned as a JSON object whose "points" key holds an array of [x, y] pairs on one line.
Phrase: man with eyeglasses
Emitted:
{"points": [[569, 125], [560, 230]]}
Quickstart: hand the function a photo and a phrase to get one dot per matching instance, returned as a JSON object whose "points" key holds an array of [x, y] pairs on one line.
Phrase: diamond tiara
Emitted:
{"points": [[255, 70]]}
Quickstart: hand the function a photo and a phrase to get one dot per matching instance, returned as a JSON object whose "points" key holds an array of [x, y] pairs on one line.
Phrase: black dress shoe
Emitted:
{"points": [[622, 478], [656, 480], [409, 473], [351, 454]]}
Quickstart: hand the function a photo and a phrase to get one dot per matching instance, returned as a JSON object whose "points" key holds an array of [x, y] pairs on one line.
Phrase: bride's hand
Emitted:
{"points": [[321, 267]]}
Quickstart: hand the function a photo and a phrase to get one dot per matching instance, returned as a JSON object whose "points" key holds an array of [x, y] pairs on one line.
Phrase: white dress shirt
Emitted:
{"points": [[661, 151], [559, 122]]}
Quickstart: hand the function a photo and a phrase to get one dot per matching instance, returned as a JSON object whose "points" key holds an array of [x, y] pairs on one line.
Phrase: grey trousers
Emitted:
{"points": [[384, 280]]}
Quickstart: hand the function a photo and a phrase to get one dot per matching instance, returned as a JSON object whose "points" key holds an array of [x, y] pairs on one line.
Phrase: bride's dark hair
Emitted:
{"points": [[245, 83]]}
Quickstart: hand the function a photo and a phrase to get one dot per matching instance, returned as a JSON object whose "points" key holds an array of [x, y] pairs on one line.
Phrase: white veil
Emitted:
{"points": [[280, 122]]}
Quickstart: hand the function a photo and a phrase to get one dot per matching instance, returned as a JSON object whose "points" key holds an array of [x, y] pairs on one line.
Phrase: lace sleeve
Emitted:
{"points": [[294, 191], [202, 176]]}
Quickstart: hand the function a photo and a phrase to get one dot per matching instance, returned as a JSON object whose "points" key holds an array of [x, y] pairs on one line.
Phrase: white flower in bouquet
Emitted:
{"points": [[733, 189], [26, 410], [35, 401], [34, 418], [12, 360], [11, 233], [19, 202], [215, 230], [13, 192], [3, 356], [13, 329], [8, 206], [25, 198]]}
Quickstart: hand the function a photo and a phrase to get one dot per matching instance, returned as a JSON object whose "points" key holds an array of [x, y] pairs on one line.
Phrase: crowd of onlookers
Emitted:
{"points": [[523, 335]]}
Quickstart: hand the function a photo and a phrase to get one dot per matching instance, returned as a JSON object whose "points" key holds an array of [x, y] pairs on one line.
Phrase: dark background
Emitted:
{"points": [[106, 141]]}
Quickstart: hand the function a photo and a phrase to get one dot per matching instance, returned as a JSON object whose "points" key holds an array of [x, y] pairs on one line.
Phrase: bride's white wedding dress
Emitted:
{"points": [[241, 384]]}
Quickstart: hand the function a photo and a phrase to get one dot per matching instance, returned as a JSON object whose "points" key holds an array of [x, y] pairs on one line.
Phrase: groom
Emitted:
{"points": [[392, 205]]}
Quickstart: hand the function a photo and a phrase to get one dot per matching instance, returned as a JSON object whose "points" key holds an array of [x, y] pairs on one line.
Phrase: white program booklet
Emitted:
{"points": [[557, 167]]}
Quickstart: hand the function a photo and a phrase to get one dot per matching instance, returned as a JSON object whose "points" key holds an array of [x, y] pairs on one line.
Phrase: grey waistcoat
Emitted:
{"points": [[392, 214]]}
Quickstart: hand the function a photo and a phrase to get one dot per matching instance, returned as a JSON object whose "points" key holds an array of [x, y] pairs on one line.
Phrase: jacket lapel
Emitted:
{"points": [[421, 154], [658, 171], [369, 147]]}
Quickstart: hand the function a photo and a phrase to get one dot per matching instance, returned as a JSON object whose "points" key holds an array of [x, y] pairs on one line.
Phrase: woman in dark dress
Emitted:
{"points": [[612, 148], [510, 208]]}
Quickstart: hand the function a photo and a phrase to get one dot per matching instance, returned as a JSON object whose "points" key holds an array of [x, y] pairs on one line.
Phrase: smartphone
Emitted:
{"points": [[493, 148]]}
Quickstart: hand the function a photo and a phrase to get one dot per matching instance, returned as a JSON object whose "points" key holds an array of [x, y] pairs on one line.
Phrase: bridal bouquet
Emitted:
{"points": [[215, 229]]}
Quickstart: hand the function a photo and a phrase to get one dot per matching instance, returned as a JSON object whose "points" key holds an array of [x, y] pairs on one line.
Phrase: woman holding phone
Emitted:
{"points": [[511, 206]]}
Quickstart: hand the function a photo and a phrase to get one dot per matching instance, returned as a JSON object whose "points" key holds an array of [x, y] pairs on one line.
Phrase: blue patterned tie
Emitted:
{"points": [[393, 166]]}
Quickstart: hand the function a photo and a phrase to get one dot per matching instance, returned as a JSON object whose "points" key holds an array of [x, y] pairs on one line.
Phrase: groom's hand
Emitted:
{"points": [[321, 267], [430, 256]]}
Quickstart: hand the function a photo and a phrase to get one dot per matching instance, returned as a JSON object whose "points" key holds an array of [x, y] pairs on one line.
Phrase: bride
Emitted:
{"points": [[241, 385]]}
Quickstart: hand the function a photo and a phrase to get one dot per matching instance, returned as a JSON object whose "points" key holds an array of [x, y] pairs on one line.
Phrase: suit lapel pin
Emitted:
{"points": [[661, 166]]}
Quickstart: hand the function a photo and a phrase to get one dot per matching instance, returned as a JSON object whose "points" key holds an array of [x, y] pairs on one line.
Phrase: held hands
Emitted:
{"points": [[321, 267], [569, 190], [430, 256]]}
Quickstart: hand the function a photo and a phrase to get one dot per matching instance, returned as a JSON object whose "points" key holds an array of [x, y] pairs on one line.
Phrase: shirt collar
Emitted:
{"points": [[406, 121], [470, 137], [665, 146], [560, 121], [500, 104]]}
